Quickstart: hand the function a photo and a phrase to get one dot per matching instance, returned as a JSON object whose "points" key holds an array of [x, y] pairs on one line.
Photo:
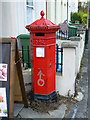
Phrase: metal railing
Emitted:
{"points": [[62, 35], [26, 54], [59, 58]]}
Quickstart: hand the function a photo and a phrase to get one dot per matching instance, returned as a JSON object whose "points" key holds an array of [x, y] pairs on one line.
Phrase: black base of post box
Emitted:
{"points": [[50, 97]]}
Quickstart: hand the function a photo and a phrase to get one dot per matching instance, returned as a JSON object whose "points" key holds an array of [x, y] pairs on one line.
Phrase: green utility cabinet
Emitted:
{"points": [[72, 30], [24, 47]]}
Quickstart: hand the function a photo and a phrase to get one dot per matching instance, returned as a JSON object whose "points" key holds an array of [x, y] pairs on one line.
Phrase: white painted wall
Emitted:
{"points": [[82, 42], [39, 5], [0, 19], [66, 82], [13, 18], [68, 70], [64, 10], [79, 52], [61, 10], [69, 10], [51, 10], [78, 61], [58, 12], [74, 5], [72, 56]]}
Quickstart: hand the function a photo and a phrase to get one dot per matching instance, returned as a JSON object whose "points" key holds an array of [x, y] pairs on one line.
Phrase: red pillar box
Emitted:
{"points": [[43, 46]]}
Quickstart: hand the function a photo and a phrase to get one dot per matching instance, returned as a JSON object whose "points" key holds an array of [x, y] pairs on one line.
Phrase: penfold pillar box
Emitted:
{"points": [[43, 50]]}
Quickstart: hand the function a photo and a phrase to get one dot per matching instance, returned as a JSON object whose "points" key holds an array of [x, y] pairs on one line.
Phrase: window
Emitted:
{"points": [[29, 10], [29, 3]]}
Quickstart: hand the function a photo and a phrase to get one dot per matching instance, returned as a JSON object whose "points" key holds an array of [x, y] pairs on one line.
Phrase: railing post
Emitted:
{"points": [[28, 55], [66, 34], [61, 58], [59, 34], [56, 57], [23, 56]]}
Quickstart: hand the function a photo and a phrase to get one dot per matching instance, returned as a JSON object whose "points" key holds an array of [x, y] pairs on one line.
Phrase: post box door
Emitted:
{"points": [[40, 71], [51, 68], [44, 72]]}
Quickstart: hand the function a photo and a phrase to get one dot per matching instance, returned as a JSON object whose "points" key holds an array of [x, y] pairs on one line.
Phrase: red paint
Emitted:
{"points": [[43, 68], [42, 13], [13, 38]]}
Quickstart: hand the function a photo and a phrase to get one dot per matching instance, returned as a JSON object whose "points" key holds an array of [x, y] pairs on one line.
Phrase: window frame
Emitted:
{"points": [[30, 6]]}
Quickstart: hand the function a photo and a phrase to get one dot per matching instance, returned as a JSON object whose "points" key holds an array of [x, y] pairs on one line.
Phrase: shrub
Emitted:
{"points": [[81, 17], [84, 19], [75, 17]]}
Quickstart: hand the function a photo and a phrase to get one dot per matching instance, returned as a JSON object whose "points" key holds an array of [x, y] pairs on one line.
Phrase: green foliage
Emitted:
{"points": [[82, 6], [75, 17], [84, 19], [81, 14], [81, 17]]}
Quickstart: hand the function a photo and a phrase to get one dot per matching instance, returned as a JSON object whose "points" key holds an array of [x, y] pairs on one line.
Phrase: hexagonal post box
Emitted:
{"points": [[43, 46]]}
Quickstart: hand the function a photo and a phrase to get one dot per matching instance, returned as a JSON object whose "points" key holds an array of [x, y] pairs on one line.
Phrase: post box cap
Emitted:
{"points": [[42, 24]]}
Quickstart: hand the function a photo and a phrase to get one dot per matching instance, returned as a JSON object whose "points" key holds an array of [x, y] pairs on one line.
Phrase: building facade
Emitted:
{"points": [[56, 10], [17, 14]]}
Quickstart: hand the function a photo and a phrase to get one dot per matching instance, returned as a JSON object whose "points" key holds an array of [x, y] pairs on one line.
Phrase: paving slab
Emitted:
{"points": [[82, 105], [59, 113], [17, 108], [29, 113], [84, 69]]}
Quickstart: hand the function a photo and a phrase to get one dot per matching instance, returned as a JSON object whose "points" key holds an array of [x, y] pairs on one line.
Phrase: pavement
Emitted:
{"points": [[80, 109], [74, 110]]}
